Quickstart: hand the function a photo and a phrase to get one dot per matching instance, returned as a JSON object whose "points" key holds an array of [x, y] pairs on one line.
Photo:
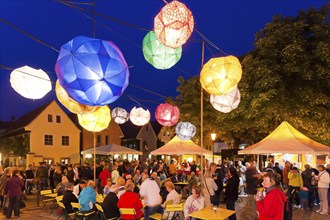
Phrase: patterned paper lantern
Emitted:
{"points": [[185, 130], [174, 24], [159, 55], [95, 121], [92, 71], [167, 114], [221, 75], [227, 102], [119, 115], [71, 104], [139, 116], [30, 83]]}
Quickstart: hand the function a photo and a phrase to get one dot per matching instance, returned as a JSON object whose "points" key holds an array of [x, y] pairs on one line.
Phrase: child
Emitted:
{"points": [[303, 194]]}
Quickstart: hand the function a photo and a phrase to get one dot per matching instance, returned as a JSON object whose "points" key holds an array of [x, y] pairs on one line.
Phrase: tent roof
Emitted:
{"points": [[286, 139], [111, 149], [176, 146]]}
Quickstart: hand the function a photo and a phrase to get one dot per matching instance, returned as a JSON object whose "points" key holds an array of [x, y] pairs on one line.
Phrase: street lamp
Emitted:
{"points": [[213, 136]]}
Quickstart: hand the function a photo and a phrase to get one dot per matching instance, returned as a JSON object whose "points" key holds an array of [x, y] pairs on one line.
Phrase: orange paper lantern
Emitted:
{"points": [[174, 24]]}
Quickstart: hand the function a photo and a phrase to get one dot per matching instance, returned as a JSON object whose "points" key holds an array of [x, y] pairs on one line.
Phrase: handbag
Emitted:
{"points": [[214, 199]]}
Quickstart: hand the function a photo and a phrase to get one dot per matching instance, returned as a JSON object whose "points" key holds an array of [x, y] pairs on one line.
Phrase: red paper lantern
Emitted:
{"points": [[167, 114], [174, 24]]}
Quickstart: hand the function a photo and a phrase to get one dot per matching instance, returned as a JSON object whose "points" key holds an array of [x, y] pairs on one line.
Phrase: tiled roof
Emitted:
{"points": [[17, 127], [130, 130]]}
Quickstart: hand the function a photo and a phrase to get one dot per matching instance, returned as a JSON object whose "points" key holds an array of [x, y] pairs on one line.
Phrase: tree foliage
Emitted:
{"points": [[285, 78]]}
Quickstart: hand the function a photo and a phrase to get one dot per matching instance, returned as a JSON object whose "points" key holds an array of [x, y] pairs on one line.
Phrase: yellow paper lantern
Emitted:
{"points": [[95, 121], [30, 83], [221, 75], [71, 104], [174, 24]]}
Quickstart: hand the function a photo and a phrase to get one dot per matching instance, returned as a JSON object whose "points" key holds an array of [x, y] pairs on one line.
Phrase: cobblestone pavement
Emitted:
{"points": [[32, 212]]}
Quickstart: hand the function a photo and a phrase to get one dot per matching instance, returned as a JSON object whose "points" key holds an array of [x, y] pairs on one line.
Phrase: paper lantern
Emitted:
{"points": [[93, 72], [167, 114], [71, 104], [221, 75], [174, 24], [139, 116], [95, 121], [119, 115], [159, 55], [30, 83], [227, 102], [185, 130]]}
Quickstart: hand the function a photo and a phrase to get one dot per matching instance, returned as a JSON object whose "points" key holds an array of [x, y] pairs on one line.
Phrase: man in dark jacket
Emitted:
{"points": [[218, 177], [110, 207], [29, 180], [42, 175], [69, 197], [13, 190]]}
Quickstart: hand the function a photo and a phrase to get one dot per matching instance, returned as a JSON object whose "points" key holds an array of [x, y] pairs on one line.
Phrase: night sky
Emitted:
{"points": [[229, 24]]}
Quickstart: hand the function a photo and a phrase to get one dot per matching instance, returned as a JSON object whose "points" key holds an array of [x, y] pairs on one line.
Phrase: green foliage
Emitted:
{"points": [[286, 77], [18, 145]]}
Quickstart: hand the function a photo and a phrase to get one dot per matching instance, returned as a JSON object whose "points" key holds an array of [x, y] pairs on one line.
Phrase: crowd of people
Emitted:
{"points": [[145, 186]]}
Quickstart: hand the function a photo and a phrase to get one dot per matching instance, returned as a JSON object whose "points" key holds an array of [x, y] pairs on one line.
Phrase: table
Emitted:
{"points": [[208, 213], [52, 195], [181, 183], [99, 198]]}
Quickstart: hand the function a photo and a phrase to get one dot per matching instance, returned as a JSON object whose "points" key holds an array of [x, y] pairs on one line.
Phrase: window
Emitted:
{"points": [[49, 160], [106, 139], [58, 119], [98, 140], [65, 141], [65, 160], [48, 139], [50, 118]]}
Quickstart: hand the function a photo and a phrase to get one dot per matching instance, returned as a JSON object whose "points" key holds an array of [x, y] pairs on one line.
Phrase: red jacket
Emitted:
{"points": [[272, 206], [131, 200], [104, 175]]}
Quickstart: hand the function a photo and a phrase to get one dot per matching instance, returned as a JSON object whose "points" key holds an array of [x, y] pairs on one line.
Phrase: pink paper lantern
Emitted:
{"points": [[167, 115]]}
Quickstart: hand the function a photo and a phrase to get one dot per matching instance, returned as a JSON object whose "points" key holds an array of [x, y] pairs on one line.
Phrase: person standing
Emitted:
{"points": [[42, 175], [270, 204], [231, 191], [217, 176], [3, 180], [295, 185], [307, 180], [285, 172], [209, 189], [150, 190], [323, 186], [13, 190]]}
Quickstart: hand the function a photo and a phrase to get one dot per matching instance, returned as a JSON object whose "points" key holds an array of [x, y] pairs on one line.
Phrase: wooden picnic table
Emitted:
{"points": [[209, 213]]}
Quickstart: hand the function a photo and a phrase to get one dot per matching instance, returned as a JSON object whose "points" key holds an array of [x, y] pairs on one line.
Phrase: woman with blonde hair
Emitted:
{"points": [[209, 188]]}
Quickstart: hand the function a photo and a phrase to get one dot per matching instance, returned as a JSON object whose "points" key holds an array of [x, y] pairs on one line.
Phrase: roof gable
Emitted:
{"points": [[130, 130]]}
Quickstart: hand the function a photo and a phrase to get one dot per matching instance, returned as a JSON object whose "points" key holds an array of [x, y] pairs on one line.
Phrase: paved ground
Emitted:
{"points": [[32, 212]]}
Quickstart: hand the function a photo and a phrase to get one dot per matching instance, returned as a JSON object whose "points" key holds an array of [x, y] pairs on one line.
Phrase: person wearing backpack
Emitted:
{"points": [[271, 202]]}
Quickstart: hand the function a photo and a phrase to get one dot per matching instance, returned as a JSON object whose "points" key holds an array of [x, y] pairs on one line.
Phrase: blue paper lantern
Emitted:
{"points": [[92, 71]]}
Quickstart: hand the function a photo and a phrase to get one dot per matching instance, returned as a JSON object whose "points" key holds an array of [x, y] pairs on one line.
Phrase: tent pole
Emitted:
{"points": [[94, 158]]}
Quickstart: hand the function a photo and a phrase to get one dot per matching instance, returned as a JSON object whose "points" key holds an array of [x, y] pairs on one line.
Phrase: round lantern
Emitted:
{"points": [[139, 116], [221, 75], [30, 83], [95, 121], [71, 104], [93, 72], [174, 24], [119, 115], [227, 102], [159, 55], [167, 114], [185, 130]]}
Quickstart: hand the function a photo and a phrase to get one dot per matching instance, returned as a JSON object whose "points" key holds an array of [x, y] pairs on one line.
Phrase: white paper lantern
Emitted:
{"points": [[185, 130], [139, 116], [227, 102], [30, 83], [119, 115]]}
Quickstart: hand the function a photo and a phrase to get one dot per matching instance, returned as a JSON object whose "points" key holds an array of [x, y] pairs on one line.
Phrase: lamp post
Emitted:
{"points": [[213, 136]]}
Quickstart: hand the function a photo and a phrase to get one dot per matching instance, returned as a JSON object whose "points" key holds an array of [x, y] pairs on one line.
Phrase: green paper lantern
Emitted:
{"points": [[159, 55]]}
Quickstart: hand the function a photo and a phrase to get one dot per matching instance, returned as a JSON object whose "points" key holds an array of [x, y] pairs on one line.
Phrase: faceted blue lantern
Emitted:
{"points": [[92, 71]]}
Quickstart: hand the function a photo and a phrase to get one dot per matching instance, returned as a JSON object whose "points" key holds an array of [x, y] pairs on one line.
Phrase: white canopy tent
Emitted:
{"points": [[176, 146], [285, 139], [111, 149]]}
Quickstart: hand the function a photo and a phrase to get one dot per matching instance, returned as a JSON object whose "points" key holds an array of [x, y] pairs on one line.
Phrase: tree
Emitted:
{"points": [[285, 78]]}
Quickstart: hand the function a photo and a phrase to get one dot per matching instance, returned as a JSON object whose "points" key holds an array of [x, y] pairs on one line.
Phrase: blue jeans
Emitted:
{"points": [[151, 210]]}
